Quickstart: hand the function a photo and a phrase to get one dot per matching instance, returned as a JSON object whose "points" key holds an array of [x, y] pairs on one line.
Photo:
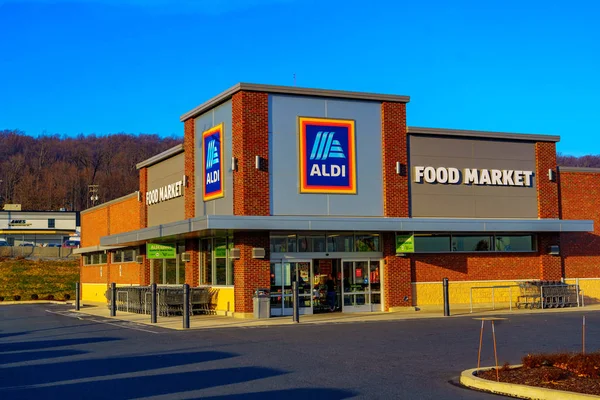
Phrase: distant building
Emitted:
{"points": [[38, 228]]}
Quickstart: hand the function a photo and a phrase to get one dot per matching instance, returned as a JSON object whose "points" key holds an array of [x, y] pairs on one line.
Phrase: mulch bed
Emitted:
{"points": [[547, 377]]}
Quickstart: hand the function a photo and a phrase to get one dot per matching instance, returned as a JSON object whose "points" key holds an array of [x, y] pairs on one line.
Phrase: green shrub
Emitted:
{"points": [[34, 296], [16, 297]]}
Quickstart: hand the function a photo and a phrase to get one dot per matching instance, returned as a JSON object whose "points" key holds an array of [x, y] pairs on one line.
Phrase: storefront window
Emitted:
{"points": [[94, 258], [216, 265], [340, 242], [432, 243], [311, 243], [367, 242], [515, 243], [125, 255], [471, 243], [279, 244]]}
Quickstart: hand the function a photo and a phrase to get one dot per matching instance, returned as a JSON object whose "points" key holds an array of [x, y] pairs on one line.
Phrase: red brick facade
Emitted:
{"points": [[250, 273], [250, 132], [394, 142], [396, 275], [143, 189], [580, 199], [189, 147], [547, 190], [192, 271]]}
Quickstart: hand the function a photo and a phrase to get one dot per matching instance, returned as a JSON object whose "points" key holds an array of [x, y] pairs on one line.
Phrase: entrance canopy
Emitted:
{"points": [[210, 224]]}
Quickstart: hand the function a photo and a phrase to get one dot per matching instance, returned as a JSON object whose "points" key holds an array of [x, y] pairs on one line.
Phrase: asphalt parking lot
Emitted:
{"points": [[48, 352]]}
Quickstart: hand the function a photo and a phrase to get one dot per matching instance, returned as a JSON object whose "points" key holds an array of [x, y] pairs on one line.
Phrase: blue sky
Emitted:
{"points": [[107, 66]]}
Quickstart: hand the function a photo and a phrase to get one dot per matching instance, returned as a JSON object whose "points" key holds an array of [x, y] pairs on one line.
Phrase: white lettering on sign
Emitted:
{"points": [[473, 176], [334, 170], [164, 193]]}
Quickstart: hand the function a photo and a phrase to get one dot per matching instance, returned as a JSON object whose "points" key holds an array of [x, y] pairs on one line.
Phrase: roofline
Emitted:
{"points": [[252, 87], [579, 169], [117, 200], [161, 156], [483, 134]]}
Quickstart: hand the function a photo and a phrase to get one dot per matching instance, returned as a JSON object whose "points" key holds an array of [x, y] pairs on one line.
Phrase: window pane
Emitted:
{"points": [[221, 266], [340, 242], [170, 272], [128, 255], [367, 242], [514, 243], [230, 271], [206, 262], [278, 244], [51, 223], [220, 247], [471, 243], [311, 243], [86, 259], [432, 243], [292, 244]]}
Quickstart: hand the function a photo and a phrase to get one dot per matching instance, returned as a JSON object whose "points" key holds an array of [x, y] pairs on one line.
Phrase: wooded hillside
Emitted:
{"points": [[52, 172]]}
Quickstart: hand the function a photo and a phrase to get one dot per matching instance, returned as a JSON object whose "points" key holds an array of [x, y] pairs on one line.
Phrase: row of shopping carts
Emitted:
{"points": [[547, 294], [138, 299]]}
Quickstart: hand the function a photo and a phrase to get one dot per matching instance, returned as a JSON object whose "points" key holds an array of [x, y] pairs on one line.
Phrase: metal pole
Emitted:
{"points": [[296, 314], [113, 299], [480, 342], [186, 306], [77, 285], [446, 298], [153, 303], [495, 353]]}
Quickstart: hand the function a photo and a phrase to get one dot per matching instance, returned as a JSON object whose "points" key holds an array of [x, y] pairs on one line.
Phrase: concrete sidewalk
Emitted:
{"points": [[220, 322]]}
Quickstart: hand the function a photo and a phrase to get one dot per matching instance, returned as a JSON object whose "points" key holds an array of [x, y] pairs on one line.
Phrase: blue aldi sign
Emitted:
{"points": [[212, 163], [327, 156]]}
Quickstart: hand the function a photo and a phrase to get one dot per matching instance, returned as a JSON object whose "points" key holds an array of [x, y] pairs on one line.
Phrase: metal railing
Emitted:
{"points": [[137, 299]]}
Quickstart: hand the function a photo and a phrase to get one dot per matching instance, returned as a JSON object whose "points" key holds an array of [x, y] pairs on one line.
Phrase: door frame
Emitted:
{"points": [[288, 311], [370, 307]]}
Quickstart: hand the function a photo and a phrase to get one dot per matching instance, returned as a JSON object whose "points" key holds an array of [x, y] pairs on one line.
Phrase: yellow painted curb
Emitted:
{"points": [[468, 379]]}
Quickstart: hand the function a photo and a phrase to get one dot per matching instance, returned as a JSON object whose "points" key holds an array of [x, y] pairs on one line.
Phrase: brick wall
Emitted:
{"points": [[547, 191], [143, 189], [192, 272], [250, 273], [124, 215], [91, 273], [580, 199], [125, 273], [189, 148], [94, 224], [396, 277], [394, 143], [250, 130], [473, 267]]}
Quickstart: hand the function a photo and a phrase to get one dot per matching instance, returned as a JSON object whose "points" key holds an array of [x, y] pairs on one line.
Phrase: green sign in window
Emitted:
{"points": [[160, 250], [405, 243]]}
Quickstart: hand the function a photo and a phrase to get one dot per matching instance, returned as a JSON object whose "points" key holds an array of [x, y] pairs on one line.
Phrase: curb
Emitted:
{"points": [[12, 303], [469, 379]]}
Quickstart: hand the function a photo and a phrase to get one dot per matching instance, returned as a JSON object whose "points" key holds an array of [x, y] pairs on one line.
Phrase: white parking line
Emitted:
{"points": [[120, 324]]}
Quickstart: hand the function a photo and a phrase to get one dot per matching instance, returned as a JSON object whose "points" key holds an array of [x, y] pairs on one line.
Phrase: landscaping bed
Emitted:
{"points": [[572, 372]]}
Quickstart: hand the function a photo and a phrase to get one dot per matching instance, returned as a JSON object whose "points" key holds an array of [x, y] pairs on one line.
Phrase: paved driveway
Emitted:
{"points": [[46, 354]]}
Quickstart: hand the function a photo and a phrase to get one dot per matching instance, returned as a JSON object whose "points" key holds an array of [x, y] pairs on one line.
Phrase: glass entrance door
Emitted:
{"points": [[283, 273], [361, 285]]}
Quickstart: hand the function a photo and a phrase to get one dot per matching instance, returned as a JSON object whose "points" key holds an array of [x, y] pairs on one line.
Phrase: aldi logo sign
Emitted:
{"points": [[327, 156], [212, 163]]}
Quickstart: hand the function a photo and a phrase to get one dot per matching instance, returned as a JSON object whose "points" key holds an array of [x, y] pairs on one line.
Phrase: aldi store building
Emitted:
{"points": [[333, 190]]}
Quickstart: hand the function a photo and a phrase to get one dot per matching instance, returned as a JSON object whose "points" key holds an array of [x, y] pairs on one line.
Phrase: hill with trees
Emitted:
{"points": [[52, 172]]}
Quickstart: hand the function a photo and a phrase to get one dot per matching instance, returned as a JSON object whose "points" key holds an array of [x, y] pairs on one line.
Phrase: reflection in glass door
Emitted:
{"points": [[282, 276], [361, 289]]}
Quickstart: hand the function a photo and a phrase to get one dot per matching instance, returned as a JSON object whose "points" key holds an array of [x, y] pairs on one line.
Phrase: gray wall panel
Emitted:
{"points": [[165, 173], [284, 158], [224, 205], [472, 201]]}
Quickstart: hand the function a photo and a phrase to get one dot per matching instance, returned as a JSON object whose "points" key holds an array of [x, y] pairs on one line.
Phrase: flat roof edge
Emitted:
{"points": [[483, 134], [579, 169], [294, 90], [160, 157], [113, 201]]}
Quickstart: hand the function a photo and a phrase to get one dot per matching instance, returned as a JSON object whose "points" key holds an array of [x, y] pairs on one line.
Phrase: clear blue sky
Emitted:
{"points": [[106, 66]]}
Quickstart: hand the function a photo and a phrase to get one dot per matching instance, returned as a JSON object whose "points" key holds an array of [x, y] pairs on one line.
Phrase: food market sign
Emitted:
{"points": [[160, 250], [473, 176]]}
